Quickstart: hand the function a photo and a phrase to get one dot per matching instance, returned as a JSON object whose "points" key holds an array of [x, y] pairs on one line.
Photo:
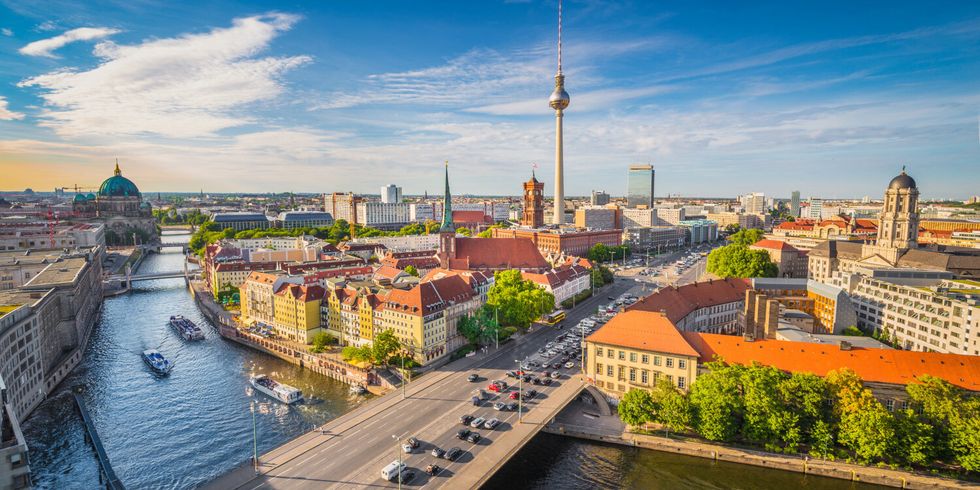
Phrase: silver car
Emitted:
{"points": [[491, 424]]}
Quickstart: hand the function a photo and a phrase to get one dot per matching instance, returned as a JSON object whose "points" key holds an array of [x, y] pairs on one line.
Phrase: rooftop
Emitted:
{"points": [[58, 273], [643, 330], [679, 302]]}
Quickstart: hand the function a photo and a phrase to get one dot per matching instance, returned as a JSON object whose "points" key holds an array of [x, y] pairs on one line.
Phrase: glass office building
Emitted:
{"points": [[639, 190]]}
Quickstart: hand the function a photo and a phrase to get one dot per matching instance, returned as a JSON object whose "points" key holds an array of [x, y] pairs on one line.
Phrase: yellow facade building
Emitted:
{"points": [[297, 311]]}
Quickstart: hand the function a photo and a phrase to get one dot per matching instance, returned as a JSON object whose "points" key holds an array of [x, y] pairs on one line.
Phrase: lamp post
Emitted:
{"points": [[496, 327], [398, 452], [404, 385], [520, 394], [255, 441]]}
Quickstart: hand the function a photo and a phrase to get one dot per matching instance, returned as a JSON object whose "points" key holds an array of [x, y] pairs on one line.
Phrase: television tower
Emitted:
{"points": [[559, 101]]}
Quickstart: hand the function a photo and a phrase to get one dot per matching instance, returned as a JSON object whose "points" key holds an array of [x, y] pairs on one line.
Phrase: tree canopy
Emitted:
{"points": [[518, 301], [737, 260]]}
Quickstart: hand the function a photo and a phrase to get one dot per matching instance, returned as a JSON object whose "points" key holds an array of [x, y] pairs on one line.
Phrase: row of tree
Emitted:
{"points": [[831, 417], [379, 352], [604, 253], [737, 260], [512, 304]]}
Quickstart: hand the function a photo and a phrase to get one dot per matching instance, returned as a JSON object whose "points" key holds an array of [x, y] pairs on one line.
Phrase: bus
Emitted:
{"points": [[553, 318]]}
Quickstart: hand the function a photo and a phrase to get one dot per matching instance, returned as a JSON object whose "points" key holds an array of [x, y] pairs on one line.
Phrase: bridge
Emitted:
{"points": [[111, 480], [149, 276], [349, 452]]}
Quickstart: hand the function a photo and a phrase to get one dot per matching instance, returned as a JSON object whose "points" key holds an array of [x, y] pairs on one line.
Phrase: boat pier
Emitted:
{"points": [[111, 480]]}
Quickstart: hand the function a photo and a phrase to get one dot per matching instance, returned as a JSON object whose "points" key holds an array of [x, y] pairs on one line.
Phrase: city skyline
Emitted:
{"points": [[310, 99]]}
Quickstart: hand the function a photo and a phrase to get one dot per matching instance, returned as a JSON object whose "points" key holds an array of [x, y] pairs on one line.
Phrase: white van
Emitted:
{"points": [[390, 472]]}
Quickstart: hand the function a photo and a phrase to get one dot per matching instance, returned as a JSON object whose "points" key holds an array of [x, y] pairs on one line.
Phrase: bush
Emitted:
{"points": [[506, 333], [320, 341], [461, 352], [567, 304]]}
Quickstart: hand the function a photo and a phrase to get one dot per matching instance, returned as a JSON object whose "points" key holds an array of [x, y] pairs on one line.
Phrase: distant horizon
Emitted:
{"points": [[831, 99]]}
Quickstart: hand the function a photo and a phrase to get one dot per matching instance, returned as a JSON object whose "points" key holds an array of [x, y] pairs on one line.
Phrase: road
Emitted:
{"points": [[352, 449]]}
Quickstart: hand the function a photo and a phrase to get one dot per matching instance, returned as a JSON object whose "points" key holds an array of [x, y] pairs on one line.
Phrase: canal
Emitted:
{"points": [[185, 429]]}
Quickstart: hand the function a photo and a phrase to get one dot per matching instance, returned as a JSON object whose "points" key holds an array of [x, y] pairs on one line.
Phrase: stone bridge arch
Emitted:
{"points": [[598, 397]]}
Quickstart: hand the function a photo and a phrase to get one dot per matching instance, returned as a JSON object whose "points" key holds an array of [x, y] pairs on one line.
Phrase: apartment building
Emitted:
{"points": [[655, 237], [711, 306], [297, 311]]}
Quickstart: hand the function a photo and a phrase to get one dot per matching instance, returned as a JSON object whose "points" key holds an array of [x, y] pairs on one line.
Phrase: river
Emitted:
{"points": [[195, 424]]}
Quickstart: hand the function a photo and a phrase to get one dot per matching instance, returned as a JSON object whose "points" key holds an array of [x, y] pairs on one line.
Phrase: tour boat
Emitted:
{"points": [[358, 389], [282, 392], [157, 362], [186, 328]]}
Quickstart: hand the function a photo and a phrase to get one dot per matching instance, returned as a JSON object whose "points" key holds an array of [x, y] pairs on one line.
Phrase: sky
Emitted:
{"points": [[828, 98]]}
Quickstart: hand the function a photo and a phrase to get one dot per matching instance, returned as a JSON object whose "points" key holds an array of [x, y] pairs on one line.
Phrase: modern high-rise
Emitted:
{"points": [[559, 102], [816, 208], [391, 193], [754, 203], [599, 198], [639, 190], [794, 204]]}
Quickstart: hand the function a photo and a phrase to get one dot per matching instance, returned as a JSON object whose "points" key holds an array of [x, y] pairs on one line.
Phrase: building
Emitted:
{"points": [[772, 301], [638, 349], [407, 243], [599, 198], [304, 219], [15, 470], [598, 218], [554, 243], [120, 207], [655, 237], [241, 221], [711, 306], [640, 217], [533, 197], [754, 203], [342, 205], [791, 261], [639, 191], [669, 216], [794, 204], [815, 210], [896, 244], [700, 230], [743, 220], [917, 310], [391, 194], [384, 216], [564, 281], [297, 311]]}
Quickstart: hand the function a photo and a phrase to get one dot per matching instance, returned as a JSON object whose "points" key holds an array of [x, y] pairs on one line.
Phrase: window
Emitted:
{"points": [[598, 351], [681, 382], [645, 377], [670, 362], [656, 360], [632, 374], [645, 359], [598, 368], [622, 355], [610, 353], [632, 356], [890, 405], [682, 363], [609, 370]]}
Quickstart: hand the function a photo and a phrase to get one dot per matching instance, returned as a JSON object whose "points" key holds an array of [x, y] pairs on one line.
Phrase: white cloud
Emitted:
{"points": [[6, 32], [7, 114], [186, 86], [45, 47]]}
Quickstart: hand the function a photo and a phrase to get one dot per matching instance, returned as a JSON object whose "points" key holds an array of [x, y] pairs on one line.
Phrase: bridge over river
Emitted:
{"points": [[350, 451]]}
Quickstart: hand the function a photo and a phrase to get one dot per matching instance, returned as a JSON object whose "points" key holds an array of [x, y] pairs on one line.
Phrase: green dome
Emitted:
{"points": [[79, 197], [118, 186]]}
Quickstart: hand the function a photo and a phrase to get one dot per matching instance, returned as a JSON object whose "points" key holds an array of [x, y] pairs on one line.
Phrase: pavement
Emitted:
{"points": [[349, 452]]}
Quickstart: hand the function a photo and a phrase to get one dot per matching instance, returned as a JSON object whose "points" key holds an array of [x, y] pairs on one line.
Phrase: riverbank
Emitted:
{"points": [[831, 469]]}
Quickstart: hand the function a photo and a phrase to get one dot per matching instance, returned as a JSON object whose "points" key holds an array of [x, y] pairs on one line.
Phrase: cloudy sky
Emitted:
{"points": [[830, 98]]}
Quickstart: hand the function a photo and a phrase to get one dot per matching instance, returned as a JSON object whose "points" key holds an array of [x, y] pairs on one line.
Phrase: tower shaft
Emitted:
{"points": [[559, 216]]}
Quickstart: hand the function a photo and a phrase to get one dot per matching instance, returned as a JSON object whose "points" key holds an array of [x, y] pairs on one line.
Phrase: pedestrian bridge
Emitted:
{"points": [[349, 452], [150, 276]]}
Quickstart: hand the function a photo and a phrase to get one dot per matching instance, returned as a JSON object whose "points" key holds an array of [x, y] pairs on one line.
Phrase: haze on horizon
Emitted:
{"points": [[828, 99]]}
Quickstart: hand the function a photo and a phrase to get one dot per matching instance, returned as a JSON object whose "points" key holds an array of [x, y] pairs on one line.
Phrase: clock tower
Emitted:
{"points": [[533, 203]]}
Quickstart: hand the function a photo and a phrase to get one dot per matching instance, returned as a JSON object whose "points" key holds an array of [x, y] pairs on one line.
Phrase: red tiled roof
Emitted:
{"points": [[795, 225], [387, 272], [774, 245], [679, 302], [429, 297], [471, 217], [898, 367], [500, 253], [305, 293], [645, 330], [417, 262]]}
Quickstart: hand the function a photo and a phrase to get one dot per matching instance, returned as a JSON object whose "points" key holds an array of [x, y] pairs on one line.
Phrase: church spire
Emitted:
{"points": [[447, 207], [118, 172]]}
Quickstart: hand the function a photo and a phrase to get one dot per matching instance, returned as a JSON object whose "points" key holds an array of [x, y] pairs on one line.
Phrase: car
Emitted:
{"points": [[535, 380], [463, 433], [547, 381], [407, 476], [556, 365], [545, 374], [564, 359], [432, 469], [491, 424], [414, 442], [453, 453], [611, 298], [465, 419], [555, 375], [511, 374], [474, 437], [531, 393], [569, 365], [496, 387], [473, 378], [515, 395], [437, 453], [476, 401], [526, 378], [500, 406], [477, 422], [512, 406], [542, 350], [407, 448]]}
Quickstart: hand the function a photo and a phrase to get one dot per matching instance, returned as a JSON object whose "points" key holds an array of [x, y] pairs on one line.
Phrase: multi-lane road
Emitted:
{"points": [[351, 450]]}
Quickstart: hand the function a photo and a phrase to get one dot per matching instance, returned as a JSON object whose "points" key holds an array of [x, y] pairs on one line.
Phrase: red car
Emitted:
{"points": [[494, 387], [515, 395]]}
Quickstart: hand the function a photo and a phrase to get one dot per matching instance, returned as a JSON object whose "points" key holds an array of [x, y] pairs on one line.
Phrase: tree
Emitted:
{"points": [[732, 228], [806, 395], [357, 354], [673, 410], [462, 230], [766, 417], [385, 344], [320, 341], [822, 440], [412, 271], [865, 427], [965, 435], [518, 301], [598, 253], [738, 260], [478, 327], [914, 439], [716, 402], [636, 408]]}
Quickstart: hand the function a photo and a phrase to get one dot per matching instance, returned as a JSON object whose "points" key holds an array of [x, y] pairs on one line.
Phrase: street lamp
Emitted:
{"points": [[255, 441], [404, 384], [520, 394], [398, 452]]}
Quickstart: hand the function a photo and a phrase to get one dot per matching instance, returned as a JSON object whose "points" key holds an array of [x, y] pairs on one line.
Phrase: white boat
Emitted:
{"points": [[358, 389], [282, 392], [186, 328], [157, 362]]}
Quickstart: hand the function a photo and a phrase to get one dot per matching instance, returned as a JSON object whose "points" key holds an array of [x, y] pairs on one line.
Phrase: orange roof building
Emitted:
{"points": [[702, 306]]}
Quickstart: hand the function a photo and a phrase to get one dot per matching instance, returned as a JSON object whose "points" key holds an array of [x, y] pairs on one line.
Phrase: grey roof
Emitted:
{"points": [[233, 217], [305, 216], [902, 181]]}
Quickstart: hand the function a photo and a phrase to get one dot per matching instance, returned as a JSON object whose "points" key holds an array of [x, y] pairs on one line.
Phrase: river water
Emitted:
{"points": [[195, 424]]}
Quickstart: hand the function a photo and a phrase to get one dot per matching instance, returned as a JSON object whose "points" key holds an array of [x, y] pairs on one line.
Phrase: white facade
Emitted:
{"points": [[432, 210], [382, 214], [391, 193], [815, 210], [669, 216], [409, 243], [754, 203], [639, 218]]}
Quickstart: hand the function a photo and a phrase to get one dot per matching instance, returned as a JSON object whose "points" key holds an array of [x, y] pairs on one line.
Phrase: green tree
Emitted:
{"points": [[357, 354], [822, 441], [746, 237], [865, 426], [940, 403], [462, 230], [412, 271], [673, 411], [806, 395], [385, 344], [965, 434], [598, 253], [766, 419], [518, 301], [738, 260], [636, 408], [914, 439], [716, 402], [478, 327]]}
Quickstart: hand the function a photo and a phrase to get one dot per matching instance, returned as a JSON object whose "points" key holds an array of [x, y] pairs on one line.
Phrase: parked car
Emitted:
{"points": [[462, 434], [437, 453], [414, 442], [569, 365], [515, 395], [432, 469], [491, 424], [407, 476], [500, 406], [472, 378], [453, 453], [477, 422], [407, 448], [465, 419], [474, 437], [531, 393], [512, 406], [547, 381]]}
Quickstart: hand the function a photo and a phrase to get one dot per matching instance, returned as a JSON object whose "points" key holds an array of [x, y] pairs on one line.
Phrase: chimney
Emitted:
{"points": [[749, 336], [845, 345], [772, 318]]}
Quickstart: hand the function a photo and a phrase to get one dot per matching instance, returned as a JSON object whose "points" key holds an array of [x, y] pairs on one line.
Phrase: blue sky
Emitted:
{"points": [[829, 98]]}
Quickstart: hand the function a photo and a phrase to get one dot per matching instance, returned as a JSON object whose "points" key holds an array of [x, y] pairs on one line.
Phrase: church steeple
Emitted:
{"points": [[118, 172], [447, 208]]}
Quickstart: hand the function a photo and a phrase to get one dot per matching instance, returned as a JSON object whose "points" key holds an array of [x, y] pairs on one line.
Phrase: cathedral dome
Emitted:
{"points": [[118, 186], [902, 181]]}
